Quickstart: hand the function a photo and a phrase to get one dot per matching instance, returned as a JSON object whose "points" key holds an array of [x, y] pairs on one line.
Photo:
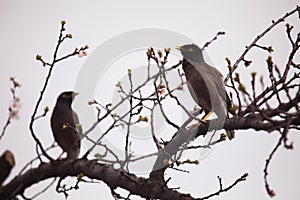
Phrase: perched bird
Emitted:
{"points": [[7, 162], [205, 84], [65, 125]]}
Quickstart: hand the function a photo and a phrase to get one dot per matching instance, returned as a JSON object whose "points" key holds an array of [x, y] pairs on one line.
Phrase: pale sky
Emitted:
{"points": [[31, 27]]}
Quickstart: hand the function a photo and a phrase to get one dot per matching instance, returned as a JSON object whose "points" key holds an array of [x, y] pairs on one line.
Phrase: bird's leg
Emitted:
{"points": [[203, 119], [60, 155], [206, 116]]}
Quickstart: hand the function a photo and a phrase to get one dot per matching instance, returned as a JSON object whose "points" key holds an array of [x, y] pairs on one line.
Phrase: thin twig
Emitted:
{"points": [[254, 42], [221, 190]]}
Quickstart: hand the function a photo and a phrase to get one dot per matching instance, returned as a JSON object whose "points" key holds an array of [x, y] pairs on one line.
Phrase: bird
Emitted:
{"points": [[205, 84], [65, 125], [7, 162]]}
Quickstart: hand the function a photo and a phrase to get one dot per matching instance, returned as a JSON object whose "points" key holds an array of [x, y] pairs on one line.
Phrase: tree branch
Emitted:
{"points": [[253, 43], [112, 177]]}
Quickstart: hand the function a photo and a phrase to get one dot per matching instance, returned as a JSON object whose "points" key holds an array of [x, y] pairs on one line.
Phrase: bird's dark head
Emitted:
{"points": [[67, 97], [191, 52]]}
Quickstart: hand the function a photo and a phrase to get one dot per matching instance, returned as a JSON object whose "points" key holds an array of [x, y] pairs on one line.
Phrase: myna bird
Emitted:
{"points": [[65, 125], [205, 84], [7, 162]]}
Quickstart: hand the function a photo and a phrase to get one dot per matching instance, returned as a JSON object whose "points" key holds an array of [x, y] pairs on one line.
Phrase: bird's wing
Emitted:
{"points": [[220, 84], [77, 123]]}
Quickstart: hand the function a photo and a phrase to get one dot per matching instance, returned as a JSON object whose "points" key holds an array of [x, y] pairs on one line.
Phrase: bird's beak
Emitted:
{"points": [[75, 94], [179, 47]]}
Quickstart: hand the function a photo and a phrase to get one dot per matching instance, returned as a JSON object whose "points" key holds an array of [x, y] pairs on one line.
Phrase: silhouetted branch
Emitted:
{"points": [[93, 170], [221, 190], [254, 42], [214, 38]]}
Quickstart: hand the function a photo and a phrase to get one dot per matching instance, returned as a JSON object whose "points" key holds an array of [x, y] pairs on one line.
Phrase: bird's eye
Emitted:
{"points": [[190, 50], [64, 96]]}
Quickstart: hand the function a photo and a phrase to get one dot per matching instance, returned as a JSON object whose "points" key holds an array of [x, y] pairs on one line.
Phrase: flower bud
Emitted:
{"points": [[69, 35], [46, 109], [38, 57], [159, 53]]}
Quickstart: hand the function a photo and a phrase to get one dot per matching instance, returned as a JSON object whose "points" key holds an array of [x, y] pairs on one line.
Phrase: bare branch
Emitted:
{"points": [[254, 42], [221, 190], [93, 170], [214, 38]]}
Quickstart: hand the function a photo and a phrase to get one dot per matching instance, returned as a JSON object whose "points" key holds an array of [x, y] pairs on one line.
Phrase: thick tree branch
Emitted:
{"points": [[112, 177], [183, 136]]}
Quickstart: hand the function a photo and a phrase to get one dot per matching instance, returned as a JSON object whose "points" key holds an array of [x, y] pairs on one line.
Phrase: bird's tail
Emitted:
{"points": [[230, 134], [74, 152]]}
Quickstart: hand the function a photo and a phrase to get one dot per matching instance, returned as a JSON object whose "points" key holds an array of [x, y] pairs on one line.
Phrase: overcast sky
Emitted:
{"points": [[31, 27]]}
